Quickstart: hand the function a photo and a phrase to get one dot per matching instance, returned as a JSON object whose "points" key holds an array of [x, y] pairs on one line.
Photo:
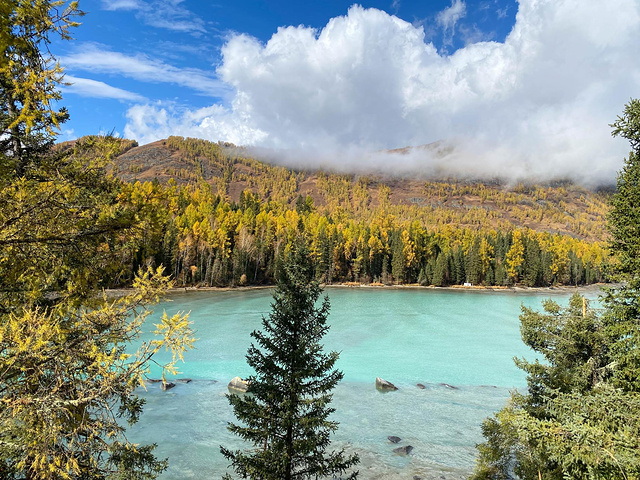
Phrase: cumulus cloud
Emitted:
{"points": [[537, 105], [98, 59], [86, 87]]}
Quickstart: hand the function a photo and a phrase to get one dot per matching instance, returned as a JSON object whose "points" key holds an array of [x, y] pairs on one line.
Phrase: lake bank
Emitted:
{"points": [[560, 289]]}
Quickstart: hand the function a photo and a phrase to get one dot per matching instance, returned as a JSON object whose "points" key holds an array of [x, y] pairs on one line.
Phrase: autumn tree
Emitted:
{"points": [[580, 415], [286, 416], [67, 371], [515, 256], [29, 75]]}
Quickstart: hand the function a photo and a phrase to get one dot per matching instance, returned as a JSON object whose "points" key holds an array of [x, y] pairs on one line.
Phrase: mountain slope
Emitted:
{"points": [[566, 208]]}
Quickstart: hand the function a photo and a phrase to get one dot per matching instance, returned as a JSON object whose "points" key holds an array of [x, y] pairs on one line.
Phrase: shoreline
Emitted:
{"points": [[560, 289]]}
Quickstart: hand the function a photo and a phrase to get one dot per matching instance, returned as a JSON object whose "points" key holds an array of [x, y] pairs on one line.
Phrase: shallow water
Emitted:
{"points": [[459, 344]]}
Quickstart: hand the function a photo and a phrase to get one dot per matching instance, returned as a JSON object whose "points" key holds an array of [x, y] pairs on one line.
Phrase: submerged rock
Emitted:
{"points": [[393, 439], [449, 386], [421, 386], [167, 385], [183, 380], [154, 380], [384, 385], [403, 450], [238, 385]]}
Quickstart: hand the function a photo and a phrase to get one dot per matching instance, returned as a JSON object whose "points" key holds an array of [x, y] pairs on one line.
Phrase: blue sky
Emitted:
{"points": [[519, 87], [190, 34]]}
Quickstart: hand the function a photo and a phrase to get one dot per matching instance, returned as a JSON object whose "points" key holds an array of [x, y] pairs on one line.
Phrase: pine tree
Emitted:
{"points": [[286, 415], [580, 416], [441, 270], [397, 259], [624, 217]]}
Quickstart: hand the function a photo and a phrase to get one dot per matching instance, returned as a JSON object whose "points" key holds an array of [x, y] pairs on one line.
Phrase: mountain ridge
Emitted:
{"points": [[562, 207]]}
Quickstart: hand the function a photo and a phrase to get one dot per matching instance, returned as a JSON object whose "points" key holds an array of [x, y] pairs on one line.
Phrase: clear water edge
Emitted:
{"points": [[465, 339]]}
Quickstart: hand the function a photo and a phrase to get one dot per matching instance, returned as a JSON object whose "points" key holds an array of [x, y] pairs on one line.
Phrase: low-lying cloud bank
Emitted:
{"points": [[536, 106]]}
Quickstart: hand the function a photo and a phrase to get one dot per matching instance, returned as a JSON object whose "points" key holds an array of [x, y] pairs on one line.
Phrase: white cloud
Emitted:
{"points": [[92, 88], [168, 14], [97, 59], [538, 104], [148, 123], [121, 5], [449, 17]]}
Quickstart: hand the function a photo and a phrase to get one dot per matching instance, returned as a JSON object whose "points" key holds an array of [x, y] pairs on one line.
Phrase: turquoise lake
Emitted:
{"points": [[459, 344]]}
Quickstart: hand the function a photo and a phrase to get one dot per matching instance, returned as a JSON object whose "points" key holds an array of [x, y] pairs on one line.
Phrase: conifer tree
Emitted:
{"points": [[67, 374], [580, 417], [286, 415]]}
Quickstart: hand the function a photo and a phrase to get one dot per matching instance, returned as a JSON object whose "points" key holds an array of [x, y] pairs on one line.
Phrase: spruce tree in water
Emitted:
{"points": [[286, 415]]}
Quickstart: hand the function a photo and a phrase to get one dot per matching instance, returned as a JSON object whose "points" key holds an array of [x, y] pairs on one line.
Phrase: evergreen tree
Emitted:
{"points": [[422, 278], [624, 217], [580, 417], [441, 270], [397, 259], [474, 263], [460, 271], [286, 415], [532, 264]]}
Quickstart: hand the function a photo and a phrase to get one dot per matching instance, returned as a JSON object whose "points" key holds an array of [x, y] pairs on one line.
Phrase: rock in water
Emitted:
{"points": [[446, 385], [421, 386], [238, 385], [184, 380], [403, 450], [385, 386], [167, 385], [393, 439]]}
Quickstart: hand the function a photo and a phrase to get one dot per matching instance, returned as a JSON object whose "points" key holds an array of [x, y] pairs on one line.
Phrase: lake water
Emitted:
{"points": [[464, 339]]}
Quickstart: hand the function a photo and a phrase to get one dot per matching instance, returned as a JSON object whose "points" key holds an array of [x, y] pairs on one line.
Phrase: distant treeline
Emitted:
{"points": [[204, 239]]}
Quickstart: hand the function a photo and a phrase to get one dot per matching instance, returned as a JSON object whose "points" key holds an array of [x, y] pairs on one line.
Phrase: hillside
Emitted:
{"points": [[566, 209]]}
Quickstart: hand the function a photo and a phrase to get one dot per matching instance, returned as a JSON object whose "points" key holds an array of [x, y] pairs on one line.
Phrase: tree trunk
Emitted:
{"points": [[15, 138]]}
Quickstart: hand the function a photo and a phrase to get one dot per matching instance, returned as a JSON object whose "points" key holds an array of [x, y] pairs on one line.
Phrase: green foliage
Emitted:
{"points": [[624, 217], [580, 416], [575, 421], [285, 416]]}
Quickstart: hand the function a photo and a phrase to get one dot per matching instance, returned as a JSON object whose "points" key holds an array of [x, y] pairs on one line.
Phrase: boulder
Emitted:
{"points": [[167, 385], [385, 386], [393, 439], [403, 450], [238, 385], [421, 386]]}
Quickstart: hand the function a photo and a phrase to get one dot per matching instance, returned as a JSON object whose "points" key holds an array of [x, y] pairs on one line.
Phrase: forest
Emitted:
{"points": [[205, 238]]}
